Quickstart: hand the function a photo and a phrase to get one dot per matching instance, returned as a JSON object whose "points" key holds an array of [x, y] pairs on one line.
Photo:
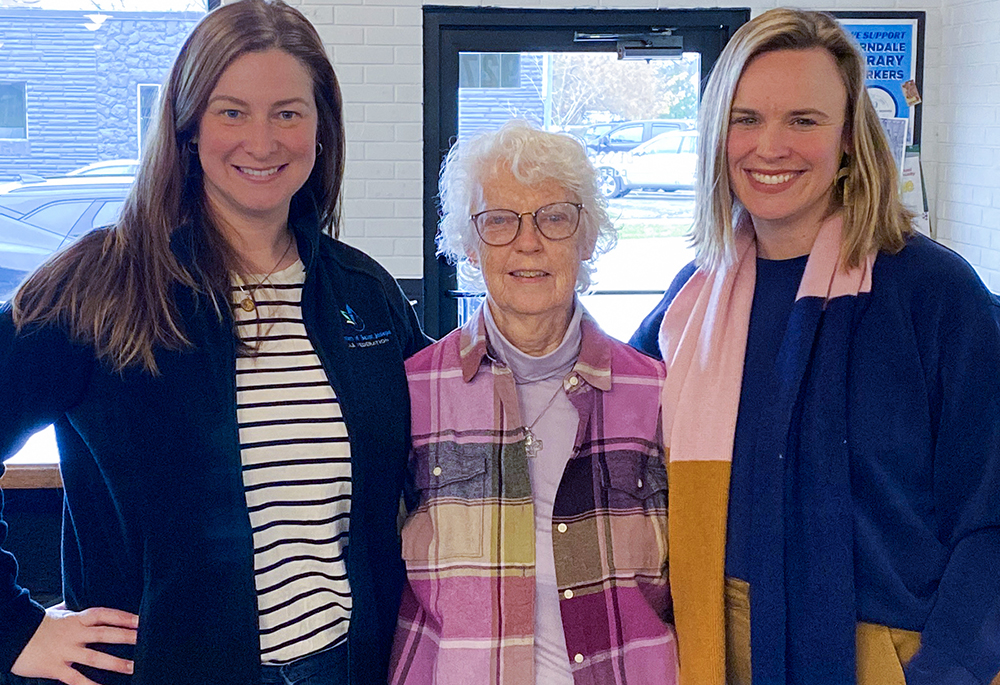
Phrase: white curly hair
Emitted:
{"points": [[532, 156]]}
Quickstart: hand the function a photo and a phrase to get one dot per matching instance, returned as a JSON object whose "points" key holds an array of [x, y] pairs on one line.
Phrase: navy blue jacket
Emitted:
{"points": [[155, 519], [924, 444]]}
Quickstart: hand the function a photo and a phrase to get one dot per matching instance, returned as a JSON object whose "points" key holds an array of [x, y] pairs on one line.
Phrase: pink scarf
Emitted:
{"points": [[703, 339]]}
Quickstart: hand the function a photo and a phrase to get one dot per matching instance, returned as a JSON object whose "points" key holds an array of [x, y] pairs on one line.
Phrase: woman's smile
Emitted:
{"points": [[260, 174], [773, 179], [529, 274]]}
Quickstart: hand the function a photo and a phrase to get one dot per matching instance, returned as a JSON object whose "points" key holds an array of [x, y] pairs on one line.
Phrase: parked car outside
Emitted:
{"points": [[589, 134], [36, 219], [628, 135], [667, 162], [111, 167]]}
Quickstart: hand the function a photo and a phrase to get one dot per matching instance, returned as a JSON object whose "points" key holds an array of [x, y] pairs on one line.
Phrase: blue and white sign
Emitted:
{"points": [[890, 47]]}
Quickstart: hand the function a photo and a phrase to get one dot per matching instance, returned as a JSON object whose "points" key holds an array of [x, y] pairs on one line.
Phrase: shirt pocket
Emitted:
{"points": [[635, 480], [636, 496], [448, 522]]}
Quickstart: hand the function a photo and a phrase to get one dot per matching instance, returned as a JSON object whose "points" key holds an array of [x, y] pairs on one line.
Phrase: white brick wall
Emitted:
{"points": [[968, 134], [376, 48]]}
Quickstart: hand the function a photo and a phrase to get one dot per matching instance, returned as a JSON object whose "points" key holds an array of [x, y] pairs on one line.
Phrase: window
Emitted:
{"points": [[148, 95], [626, 134], [76, 217], [579, 87], [94, 79], [93, 66], [59, 216], [667, 144], [107, 214], [663, 128], [489, 70], [13, 111]]}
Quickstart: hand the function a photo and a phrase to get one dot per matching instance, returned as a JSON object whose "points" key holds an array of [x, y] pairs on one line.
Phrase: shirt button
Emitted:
{"points": [[436, 471], [574, 381], [639, 484], [561, 527], [568, 594], [578, 658]]}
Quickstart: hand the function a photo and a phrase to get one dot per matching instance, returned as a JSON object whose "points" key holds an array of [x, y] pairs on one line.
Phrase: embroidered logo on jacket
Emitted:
{"points": [[353, 319], [361, 339]]}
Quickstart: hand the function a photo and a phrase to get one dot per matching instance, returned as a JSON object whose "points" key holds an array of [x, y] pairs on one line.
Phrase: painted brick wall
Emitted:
{"points": [[969, 135], [376, 48]]}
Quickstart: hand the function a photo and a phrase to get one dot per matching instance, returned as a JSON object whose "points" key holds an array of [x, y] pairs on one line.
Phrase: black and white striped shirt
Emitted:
{"points": [[297, 474]]}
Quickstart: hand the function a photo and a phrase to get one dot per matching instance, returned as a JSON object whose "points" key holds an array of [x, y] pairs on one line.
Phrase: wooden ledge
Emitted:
{"points": [[31, 477]]}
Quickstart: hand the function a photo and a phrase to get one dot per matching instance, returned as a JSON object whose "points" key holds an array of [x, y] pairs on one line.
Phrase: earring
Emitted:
{"points": [[843, 174], [192, 146], [319, 149]]}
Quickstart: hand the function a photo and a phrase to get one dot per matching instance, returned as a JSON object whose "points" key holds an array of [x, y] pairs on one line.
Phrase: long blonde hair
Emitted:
{"points": [[874, 217], [114, 289]]}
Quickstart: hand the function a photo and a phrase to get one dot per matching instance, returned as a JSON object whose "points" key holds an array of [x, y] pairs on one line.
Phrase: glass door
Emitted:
{"points": [[637, 119]]}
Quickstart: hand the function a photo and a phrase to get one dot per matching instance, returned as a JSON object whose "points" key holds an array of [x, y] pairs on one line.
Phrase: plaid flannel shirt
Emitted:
{"points": [[467, 614]]}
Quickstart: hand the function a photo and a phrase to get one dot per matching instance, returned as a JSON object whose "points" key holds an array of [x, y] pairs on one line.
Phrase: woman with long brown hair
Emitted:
{"points": [[227, 387]]}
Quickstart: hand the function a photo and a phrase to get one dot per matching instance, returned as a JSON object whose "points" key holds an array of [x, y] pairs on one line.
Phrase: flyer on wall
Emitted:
{"points": [[892, 50]]}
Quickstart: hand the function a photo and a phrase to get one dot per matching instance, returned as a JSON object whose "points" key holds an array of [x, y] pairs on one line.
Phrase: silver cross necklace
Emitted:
{"points": [[532, 443]]}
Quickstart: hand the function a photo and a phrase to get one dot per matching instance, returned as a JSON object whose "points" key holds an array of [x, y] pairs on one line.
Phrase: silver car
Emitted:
{"points": [[666, 162], [36, 219]]}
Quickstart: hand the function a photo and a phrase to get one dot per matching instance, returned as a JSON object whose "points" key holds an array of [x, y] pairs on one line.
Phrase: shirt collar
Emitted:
{"points": [[593, 364]]}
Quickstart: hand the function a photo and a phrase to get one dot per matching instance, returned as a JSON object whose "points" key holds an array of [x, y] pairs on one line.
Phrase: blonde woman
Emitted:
{"points": [[832, 396]]}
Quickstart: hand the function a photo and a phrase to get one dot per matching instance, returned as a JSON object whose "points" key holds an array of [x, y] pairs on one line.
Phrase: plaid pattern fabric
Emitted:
{"points": [[467, 613]]}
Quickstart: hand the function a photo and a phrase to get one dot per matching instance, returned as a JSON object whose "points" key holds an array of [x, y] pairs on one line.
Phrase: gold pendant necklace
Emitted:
{"points": [[248, 304]]}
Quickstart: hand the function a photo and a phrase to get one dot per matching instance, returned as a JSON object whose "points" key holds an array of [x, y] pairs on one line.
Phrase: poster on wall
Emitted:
{"points": [[896, 130], [893, 43]]}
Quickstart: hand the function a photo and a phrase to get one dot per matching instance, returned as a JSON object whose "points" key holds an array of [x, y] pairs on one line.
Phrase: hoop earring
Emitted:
{"points": [[192, 147], [319, 149]]}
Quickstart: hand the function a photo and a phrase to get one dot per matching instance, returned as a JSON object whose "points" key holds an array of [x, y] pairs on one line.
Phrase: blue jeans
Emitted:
{"points": [[328, 667]]}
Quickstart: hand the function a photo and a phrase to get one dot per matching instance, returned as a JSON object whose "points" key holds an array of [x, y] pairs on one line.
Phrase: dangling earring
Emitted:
{"points": [[319, 149], [192, 146], [843, 174]]}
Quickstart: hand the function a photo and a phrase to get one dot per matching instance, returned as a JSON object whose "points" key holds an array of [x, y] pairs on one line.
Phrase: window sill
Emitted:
{"points": [[35, 466], [31, 477]]}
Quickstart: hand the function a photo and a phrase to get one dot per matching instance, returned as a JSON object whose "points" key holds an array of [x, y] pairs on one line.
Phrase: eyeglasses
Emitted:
{"points": [[499, 227]]}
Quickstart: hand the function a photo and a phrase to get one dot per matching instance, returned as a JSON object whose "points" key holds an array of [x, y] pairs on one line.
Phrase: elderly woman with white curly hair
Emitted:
{"points": [[535, 544]]}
